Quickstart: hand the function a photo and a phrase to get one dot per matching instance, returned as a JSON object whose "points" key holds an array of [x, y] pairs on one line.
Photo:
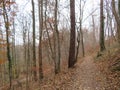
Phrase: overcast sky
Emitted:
{"points": [[25, 7]]}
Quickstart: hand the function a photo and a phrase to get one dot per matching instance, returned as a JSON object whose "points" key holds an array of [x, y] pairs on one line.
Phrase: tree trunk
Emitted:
{"points": [[71, 60], [14, 51], [40, 2], [81, 32], [34, 43], [49, 41], [78, 45], [57, 41], [28, 62], [117, 18], [102, 45], [118, 27], [82, 42], [6, 21]]}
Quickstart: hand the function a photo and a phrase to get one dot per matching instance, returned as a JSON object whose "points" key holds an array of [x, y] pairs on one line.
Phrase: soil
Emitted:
{"points": [[85, 76]]}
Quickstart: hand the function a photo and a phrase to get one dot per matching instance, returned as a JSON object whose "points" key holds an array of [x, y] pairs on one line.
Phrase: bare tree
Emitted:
{"points": [[40, 5], [28, 57], [81, 32], [117, 18], [34, 43], [102, 45], [71, 60], [57, 60], [6, 21]]}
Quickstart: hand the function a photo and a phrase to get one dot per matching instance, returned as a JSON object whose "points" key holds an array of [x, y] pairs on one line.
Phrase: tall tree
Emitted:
{"points": [[119, 7], [40, 10], [102, 44], [24, 40], [34, 45], [28, 57], [117, 18], [71, 60], [81, 32], [57, 41], [6, 21], [118, 29]]}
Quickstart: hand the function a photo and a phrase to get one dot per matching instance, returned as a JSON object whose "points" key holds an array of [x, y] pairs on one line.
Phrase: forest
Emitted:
{"points": [[59, 44]]}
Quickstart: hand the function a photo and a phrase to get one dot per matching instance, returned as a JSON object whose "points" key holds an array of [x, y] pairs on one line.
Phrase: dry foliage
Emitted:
{"points": [[109, 64]]}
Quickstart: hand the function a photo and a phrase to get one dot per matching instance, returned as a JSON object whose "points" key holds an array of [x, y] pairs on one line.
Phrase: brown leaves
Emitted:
{"points": [[2, 61], [35, 69], [8, 2], [2, 56], [107, 65], [2, 50]]}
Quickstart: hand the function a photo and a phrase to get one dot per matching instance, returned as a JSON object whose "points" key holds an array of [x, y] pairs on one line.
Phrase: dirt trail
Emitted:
{"points": [[88, 76], [85, 76]]}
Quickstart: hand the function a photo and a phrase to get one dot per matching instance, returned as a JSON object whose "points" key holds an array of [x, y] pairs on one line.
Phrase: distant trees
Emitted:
{"points": [[6, 16], [71, 60], [81, 32], [117, 18], [52, 40], [6, 21]]}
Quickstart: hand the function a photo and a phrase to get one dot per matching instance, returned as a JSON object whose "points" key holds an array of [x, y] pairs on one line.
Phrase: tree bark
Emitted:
{"points": [[6, 21], [40, 2], [118, 27], [102, 44], [28, 61], [34, 43], [117, 18], [57, 61], [71, 60], [78, 45]]}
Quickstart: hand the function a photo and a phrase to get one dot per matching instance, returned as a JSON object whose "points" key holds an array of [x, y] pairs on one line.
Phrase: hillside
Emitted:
{"points": [[109, 64]]}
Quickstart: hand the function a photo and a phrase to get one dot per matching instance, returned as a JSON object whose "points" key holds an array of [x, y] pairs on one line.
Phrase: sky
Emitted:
{"points": [[24, 7], [90, 6]]}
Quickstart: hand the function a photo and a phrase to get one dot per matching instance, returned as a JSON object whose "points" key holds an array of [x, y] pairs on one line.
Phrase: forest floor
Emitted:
{"points": [[89, 73], [86, 77]]}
